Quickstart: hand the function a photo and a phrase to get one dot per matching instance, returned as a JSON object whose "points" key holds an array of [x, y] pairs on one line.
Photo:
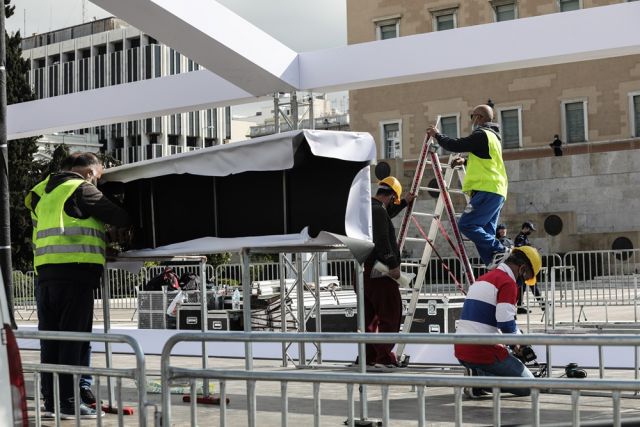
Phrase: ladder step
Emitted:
{"points": [[415, 239], [442, 165], [425, 214], [412, 264], [437, 190]]}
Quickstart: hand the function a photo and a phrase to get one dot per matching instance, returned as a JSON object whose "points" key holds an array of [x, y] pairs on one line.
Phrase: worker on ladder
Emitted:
{"points": [[382, 302], [485, 181]]}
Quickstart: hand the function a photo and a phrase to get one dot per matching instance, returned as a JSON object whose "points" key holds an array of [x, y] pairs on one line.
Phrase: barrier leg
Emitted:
{"points": [[106, 296]]}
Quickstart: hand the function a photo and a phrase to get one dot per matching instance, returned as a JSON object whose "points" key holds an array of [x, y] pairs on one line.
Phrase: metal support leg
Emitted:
{"points": [[205, 322], [302, 327], [362, 355], [106, 322], [248, 348]]}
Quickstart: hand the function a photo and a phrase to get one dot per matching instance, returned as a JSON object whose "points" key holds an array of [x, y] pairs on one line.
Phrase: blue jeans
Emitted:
{"points": [[509, 367], [478, 223]]}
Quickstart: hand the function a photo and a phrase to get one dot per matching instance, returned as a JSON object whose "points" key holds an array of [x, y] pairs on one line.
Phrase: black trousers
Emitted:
{"points": [[65, 306], [85, 379], [522, 289]]}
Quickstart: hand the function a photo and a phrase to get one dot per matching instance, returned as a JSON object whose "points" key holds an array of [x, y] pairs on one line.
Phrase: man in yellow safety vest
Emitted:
{"points": [[69, 258], [485, 181]]}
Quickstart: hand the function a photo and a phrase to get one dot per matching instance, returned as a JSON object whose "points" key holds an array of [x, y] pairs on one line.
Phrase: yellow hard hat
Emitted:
{"points": [[534, 258], [395, 185]]}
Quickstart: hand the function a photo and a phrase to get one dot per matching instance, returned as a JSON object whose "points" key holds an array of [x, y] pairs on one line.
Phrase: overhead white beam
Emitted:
{"points": [[586, 34], [216, 38], [594, 33], [114, 104]]}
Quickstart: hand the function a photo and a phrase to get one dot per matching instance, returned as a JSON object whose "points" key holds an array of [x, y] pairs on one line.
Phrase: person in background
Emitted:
{"points": [[501, 235], [485, 181], [522, 239], [556, 145], [490, 308]]}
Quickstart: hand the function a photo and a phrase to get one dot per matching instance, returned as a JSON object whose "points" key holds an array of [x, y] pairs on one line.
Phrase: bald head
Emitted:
{"points": [[484, 113]]}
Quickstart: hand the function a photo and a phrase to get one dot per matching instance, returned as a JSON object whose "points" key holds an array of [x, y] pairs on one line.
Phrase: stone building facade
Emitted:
{"points": [[584, 200]]}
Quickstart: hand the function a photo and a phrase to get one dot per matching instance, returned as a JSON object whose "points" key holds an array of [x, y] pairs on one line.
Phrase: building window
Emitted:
{"points": [[83, 74], [193, 124], [444, 19], [39, 83], [67, 77], [568, 5], [133, 64], [634, 110], [152, 61], [192, 66], [211, 123], [175, 125], [54, 75], [449, 126], [505, 10], [392, 139], [387, 29], [174, 62], [116, 69], [99, 71], [574, 121], [510, 127]]}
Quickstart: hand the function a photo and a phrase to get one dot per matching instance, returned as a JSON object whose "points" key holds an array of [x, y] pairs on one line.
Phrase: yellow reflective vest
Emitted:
{"points": [[487, 175], [62, 239], [38, 190]]}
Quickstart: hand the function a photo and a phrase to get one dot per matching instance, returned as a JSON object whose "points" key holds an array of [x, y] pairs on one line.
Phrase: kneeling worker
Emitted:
{"points": [[490, 308]]}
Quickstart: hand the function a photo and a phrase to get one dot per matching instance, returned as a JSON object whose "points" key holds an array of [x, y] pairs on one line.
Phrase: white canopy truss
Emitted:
{"points": [[243, 63]]}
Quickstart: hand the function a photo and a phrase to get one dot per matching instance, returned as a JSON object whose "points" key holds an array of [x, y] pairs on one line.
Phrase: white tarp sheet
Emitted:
{"points": [[274, 152], [268, 153]]}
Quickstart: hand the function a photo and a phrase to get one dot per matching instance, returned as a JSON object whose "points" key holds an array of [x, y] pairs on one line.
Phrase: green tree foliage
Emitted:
{"points": [[23, 173]]}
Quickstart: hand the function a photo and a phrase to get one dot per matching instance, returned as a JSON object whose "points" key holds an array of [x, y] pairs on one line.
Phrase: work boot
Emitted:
{"points": [[499, 258], [87, 396], [68, 412]]}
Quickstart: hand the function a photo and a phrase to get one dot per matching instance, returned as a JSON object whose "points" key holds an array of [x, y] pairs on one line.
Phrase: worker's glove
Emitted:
{"points": [[456, 161]]}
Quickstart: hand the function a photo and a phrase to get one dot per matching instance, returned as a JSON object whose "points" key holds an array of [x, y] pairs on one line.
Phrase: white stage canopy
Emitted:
{"points": [[255, 64], [298, 191]]}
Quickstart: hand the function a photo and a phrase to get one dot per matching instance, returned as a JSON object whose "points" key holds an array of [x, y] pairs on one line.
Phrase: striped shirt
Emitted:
{"points": [[489, 308]]}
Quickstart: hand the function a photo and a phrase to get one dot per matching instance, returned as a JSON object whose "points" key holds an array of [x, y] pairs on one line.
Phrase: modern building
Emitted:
{"points": [[586, 199], [109, 52]]}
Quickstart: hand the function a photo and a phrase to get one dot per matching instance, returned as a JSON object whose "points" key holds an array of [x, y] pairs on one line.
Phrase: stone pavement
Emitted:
{"points": [[555, 408]]}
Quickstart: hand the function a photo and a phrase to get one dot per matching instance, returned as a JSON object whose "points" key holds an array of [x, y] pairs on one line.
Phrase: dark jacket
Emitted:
{"points": [[384, 234], [506, 242], [87, 201], [521, 240], [476, 143]]}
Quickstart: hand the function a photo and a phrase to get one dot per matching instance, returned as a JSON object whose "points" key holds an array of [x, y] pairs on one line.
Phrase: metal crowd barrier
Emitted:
{"points": [[23, 293], [605, 277], [420, 382], [136, 373], [231, 274], [600, 278]]}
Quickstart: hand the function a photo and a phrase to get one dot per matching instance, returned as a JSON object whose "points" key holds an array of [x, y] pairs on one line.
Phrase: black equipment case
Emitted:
{"points": [[435, 314]]}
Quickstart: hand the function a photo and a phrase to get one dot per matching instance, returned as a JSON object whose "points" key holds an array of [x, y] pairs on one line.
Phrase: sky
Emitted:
{"points": [[303, 25]]}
